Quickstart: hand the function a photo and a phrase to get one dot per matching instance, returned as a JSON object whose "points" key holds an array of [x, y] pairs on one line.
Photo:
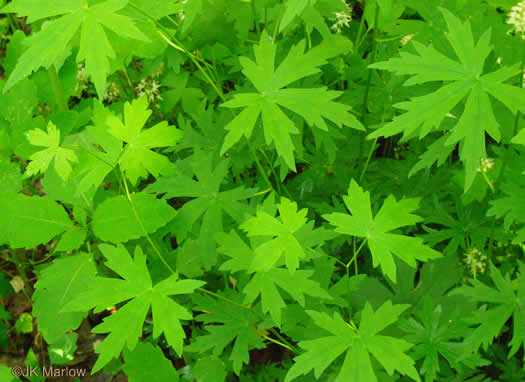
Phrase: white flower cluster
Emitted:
{"points": [[149, 88], [516, 18], [486, 164], [342, 19], [476, 260], [82, 78], [111, 93]]}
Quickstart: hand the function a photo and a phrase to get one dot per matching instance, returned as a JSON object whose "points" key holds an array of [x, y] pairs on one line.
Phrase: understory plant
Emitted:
{"points": [[263, 190]]}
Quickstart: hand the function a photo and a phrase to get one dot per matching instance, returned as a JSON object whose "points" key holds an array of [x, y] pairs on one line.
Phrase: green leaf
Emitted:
{"points": [[315, 105], [464, 78], [238, 326], [31, 220], [138, 159], [147, 363], [57, 285], [358, 343], [283, 242], [125, 326], [505, 301], [118, 219], [46, 46], [375, 230], [41, 160]]}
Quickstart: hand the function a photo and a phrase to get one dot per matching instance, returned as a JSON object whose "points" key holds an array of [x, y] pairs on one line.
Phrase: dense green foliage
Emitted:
{"points": [[264, 190]]}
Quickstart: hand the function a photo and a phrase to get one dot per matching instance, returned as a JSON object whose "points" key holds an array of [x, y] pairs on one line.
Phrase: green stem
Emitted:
{"points": [[369, 78], [278, 335], [359, 32], [139, 221], [274, 35], [57, 88], [354, 258], [488, 181], [367, 160], [258, 163], [273, 173], [278, 343], [216, 295]]}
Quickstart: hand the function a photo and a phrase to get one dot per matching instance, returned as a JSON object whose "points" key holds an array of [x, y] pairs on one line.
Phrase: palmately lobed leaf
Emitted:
{"points": [[314, 105], [124, 327], [376, 230], [461, 79]]}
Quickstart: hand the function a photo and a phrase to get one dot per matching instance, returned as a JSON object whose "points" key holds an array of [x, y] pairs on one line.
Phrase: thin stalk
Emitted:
{"points": [[359, 32], [488, 181], [258, 163], [278, 335], [139, 221], [278, 343], [369, 78], [216, 295], [273, 173], [57, 88], [274, 35], [367, 160], [354, 258]]}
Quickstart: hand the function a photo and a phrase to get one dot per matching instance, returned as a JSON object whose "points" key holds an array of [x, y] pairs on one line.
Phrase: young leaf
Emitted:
{"points": [[116, 220], [47, 45], [138, 159], [41, 160], [375, 230], [358, 343], [283, 242], [125, 326], [97, 164], [314, 105], [466, 79]]}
